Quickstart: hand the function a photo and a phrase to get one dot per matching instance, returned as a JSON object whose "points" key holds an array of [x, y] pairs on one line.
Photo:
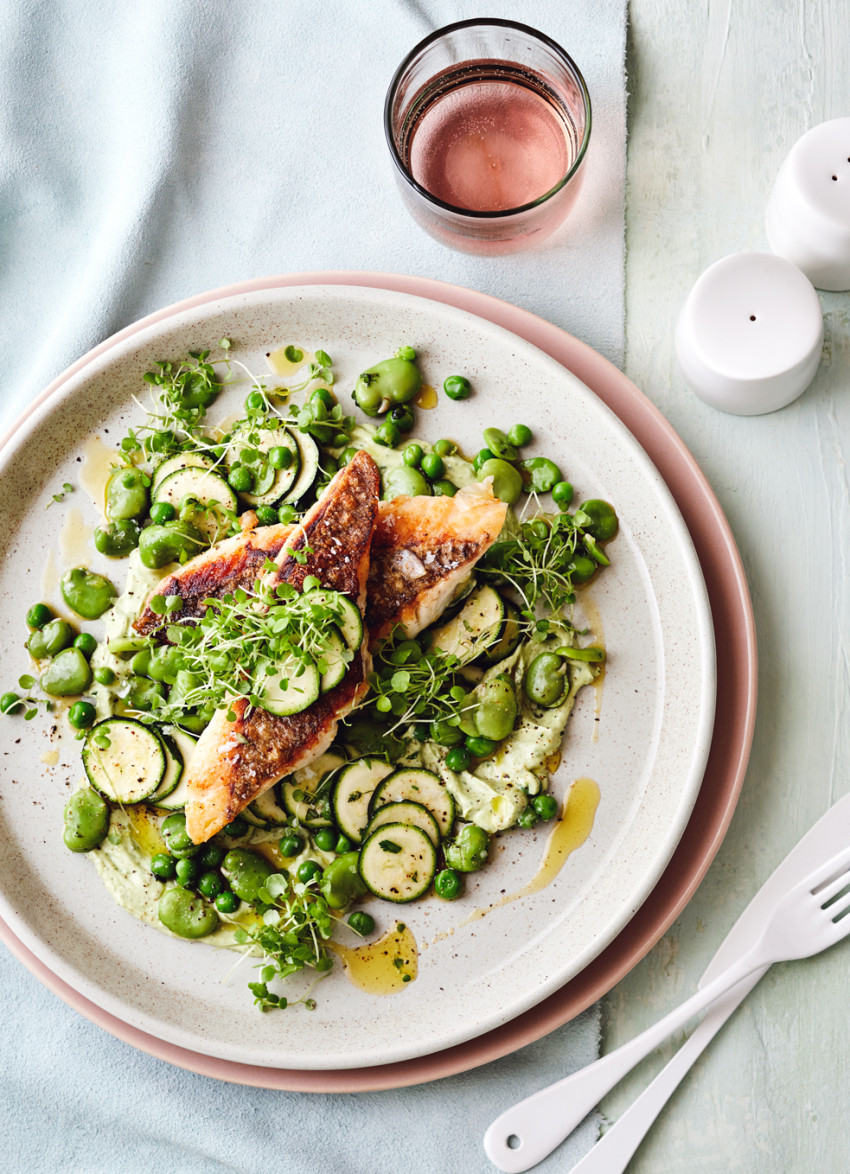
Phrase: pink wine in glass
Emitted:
{"points": [[490, 139]]}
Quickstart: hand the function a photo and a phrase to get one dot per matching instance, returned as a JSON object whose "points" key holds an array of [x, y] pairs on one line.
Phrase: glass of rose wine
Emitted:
{"points": [[488, 123]]}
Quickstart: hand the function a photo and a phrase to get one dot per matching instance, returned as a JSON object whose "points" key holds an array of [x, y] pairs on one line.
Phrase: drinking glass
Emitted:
{"points": [[488, 123]]}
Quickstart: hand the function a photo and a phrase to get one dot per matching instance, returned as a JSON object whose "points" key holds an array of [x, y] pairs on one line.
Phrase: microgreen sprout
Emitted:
{"points": [[66, 488]]}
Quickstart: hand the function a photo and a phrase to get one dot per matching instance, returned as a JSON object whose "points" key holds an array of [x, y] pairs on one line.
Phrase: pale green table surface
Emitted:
{"points": [[719, 92]]}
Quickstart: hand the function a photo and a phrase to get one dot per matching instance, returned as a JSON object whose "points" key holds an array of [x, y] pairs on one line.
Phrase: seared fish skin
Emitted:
{"points": [[423, 548], [235, 562], [236, 761]]}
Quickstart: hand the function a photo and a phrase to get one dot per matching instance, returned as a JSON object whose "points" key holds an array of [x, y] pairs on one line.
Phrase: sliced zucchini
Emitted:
{"points": [[267, 808], [173, 771], [251, 817], [183, 460], [205, 487], [418, 786], [335, 661], [397, 862], [293, 687], [509, 637], [131, 767], [350, 621], [309, 466], [306, 793], [475, 628], [352, 791], [274, 483], [184, 745], [405, 811]]}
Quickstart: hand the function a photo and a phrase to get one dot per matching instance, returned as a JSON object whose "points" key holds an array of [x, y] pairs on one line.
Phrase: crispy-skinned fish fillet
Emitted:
{"points": [[235, 761], [423, 548]]}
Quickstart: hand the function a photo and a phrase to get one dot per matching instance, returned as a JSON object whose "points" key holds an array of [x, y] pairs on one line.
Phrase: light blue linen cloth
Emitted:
{"points": [[150, 151]]}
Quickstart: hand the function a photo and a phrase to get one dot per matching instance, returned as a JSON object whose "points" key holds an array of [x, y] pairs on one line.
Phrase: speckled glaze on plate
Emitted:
{"points": [[647, 751]]}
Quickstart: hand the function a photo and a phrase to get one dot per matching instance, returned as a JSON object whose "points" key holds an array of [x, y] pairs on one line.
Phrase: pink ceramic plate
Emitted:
{"points": [[733, 627]]}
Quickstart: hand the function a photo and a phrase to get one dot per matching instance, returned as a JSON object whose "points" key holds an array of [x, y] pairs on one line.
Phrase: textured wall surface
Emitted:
{"points": [[718, 95]]}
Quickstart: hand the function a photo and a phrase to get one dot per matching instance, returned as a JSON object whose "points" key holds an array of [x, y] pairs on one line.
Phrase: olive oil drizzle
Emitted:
{"points": [[382, 967]]}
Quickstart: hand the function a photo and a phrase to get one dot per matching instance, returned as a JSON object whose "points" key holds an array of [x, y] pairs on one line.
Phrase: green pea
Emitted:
{"points": [[347, 456], [87, 593], [210, 855], [290, 845], [539, 474], [507, 483], [173, 542], [227, 902], [9, 702], [479, 746], [412, 455], [497, 708], [480, 457], [341, 882], [81, 715], [186, 871], [210, 884], [118, 538], [342, 845], [237, 828], [362, 923], [432, 466], [459, 758], [325, 839], [562, 493], [241, 479], [308, 870], [603, 524], [445, 734], [266, 515], [255, 403], [404, 480], [166, 664], [127, 494], [143, 694], [392, 381], [86, 821], [287, 514], [177, 840], [86, 643], [51, 639], [520, 435], [546, 806], [104, 675], [444, 448], [387, 434], [323, 395], [528, 818], [39, 615], [457, 387], [67, 675], [186, 914], [281, 457], [162, 512], [546, 680], [163, 866], [467, 852], [448, 884], [246, 872], [402, 417], [499, 445]]}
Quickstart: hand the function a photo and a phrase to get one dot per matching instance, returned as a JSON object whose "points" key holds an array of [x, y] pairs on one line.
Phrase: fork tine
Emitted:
{"points": [[839, 907], [828, 870], [833, 888]]}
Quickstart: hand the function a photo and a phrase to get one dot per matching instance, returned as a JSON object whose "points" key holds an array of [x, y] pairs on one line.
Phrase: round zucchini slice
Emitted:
{"points": [[419, 786], [353, 790], [183, 460], [406, 811], [475, 628], [293, 686], [309, 469], [267, 808], [274, 484], [173, 771], [124, 760], [509, 637], [306, 794], [397, 862], [336, 664], [183, 745], [208, 489], [349, 620]]}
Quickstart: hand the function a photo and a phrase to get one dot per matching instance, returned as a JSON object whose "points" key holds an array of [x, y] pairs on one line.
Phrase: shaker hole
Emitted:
{"points": [[752, 317], [514, 1142], [835, 177]]}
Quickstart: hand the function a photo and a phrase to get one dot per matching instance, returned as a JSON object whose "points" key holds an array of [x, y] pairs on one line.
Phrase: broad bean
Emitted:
{"points": [[86, 820], [186, 914]]}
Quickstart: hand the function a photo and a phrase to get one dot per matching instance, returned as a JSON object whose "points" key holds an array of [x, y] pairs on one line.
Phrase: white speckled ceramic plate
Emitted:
{"points": [[643, 737]]}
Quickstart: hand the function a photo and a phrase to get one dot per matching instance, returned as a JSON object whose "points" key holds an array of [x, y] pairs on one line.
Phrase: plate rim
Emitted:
{"points": [[517, 1031]]}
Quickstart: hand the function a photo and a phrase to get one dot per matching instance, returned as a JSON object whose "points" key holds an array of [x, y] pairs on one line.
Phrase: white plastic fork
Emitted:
{"points": [[806, 920]]}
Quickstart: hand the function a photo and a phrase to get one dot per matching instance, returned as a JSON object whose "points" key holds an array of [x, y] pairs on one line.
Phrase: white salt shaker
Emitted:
{"points": [[749, 336], [808, 214]]}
